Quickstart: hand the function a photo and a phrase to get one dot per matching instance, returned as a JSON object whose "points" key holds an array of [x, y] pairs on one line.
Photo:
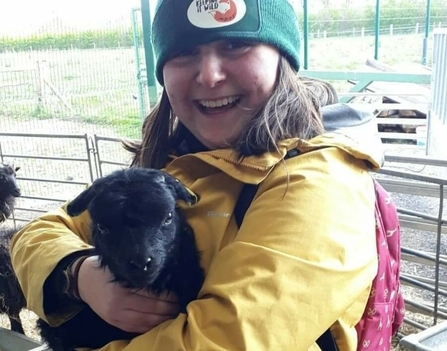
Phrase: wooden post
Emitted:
{"points": [[40, 83]]}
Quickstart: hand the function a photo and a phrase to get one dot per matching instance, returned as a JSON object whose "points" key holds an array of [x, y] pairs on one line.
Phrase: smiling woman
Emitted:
{"points": [[232, 111]]}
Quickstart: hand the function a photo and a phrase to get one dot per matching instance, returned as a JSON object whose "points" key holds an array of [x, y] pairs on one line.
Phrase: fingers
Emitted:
{"points": [[164, 296], [149, 305], [139, 322]]}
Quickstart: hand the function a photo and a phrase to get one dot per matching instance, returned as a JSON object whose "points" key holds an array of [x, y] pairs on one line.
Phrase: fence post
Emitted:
{"points": [[149, 52], [377, 31], [437, 126], [306, 34], [40, 83], [427, 33]]}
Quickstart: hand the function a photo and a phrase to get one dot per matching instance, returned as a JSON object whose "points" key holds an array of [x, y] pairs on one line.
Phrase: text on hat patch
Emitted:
{"points": [[216, 13]]}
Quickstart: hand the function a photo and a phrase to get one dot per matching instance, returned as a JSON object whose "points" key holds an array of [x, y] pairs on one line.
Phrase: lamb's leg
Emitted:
{"points": [[4, 211], [52, 337], [16, 324]]}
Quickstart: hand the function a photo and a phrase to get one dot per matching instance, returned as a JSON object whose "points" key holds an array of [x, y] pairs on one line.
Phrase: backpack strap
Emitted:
{"points": [[244, 201], [326, 342]]}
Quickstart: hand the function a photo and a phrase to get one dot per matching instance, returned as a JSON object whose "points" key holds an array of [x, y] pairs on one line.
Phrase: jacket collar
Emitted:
{"points": [[254, 169]]}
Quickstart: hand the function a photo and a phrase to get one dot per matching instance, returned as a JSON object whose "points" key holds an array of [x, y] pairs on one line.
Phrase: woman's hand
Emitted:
{"points": [[131, 311]]}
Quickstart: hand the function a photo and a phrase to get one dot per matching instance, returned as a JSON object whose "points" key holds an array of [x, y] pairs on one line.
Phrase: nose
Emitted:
{"points": [[16, 192], [211, 70], [142, 264]]}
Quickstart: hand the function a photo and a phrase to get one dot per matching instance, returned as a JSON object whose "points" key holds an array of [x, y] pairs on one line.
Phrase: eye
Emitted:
{"points": [[101, 229], [184, 54], [168, 219], [236, 45]]}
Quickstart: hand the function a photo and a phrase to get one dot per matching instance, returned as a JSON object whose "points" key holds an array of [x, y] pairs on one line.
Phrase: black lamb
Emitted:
{"points": [[9, 190], [12, 300], [141, 236]]}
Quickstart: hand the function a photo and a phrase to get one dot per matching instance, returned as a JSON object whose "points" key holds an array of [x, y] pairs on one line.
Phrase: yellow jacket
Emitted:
{"points": [[302, 261]]}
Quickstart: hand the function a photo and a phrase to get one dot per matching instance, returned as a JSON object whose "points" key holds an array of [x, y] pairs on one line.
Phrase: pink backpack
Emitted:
{"points": [[385, 310]]}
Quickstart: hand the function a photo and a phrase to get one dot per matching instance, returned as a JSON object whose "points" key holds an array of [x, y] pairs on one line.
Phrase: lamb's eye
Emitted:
{"points": [[101, 229], [168, 219]]}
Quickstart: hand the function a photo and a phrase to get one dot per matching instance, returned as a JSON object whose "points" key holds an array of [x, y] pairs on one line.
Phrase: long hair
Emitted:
{"points": [[292, 110], [325, 91]]}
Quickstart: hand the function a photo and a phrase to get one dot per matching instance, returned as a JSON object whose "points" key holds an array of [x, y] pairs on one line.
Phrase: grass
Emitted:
{"points": [[351, 53], [100, 85]]}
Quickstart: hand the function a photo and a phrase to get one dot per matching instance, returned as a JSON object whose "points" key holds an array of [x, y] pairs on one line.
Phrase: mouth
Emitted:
{"points": [[135, 281], [218, 105]]}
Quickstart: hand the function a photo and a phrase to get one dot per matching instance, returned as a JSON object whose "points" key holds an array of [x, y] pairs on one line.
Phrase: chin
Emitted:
{"points": [[212, 144]]}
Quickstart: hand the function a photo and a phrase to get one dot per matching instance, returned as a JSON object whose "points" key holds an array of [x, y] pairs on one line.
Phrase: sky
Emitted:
{"points": [[21, 17]]}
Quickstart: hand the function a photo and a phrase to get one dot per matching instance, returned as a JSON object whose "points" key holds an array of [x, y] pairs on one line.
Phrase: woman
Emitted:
{"points": [[304, 257]]}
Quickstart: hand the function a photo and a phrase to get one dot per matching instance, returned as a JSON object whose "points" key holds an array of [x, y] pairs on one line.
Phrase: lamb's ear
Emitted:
{"points": [[182, 192], [80, 203]]}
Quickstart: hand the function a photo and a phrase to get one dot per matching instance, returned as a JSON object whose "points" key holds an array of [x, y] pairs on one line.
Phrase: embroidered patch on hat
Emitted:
{"points": [[216, 13]]}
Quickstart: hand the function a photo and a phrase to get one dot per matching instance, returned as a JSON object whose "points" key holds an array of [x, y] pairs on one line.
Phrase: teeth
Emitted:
{"points": [[219, 102]]}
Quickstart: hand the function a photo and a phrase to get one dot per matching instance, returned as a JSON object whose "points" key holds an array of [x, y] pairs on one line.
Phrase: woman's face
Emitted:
{"points": [[215, 89]]}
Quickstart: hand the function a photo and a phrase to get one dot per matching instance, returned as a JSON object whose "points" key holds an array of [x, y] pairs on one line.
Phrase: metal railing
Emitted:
{"points": [[99, 155]]}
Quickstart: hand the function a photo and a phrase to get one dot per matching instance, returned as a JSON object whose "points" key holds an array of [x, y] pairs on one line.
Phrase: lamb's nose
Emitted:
{"points": [[16, 192], [141, 265]]}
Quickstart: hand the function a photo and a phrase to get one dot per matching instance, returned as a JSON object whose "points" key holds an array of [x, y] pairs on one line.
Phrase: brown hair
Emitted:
{"points": [[324, 91], [293, 110]]}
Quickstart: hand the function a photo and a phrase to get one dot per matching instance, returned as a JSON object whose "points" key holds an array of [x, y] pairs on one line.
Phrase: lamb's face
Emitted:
{"points": [[8, 183], [136, 251], [135, 230], [9, 190]]}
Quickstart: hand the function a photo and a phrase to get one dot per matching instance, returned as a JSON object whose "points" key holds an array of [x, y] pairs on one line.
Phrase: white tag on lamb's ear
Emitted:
{"points": [[188, 196]]}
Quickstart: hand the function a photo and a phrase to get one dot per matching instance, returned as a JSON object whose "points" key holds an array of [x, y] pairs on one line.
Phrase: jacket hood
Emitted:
{"points": [[359, 125]]}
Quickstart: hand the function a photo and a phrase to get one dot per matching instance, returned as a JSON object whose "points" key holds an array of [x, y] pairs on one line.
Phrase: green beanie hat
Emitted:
{"points": [[182, 24]]}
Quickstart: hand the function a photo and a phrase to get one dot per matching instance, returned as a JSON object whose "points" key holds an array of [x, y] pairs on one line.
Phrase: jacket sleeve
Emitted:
{"points": [[51, 239], [303, 258]]}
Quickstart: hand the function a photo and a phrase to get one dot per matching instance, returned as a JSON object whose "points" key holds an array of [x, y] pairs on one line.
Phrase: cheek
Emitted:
{"points": [[262, 78], [174, 85]]}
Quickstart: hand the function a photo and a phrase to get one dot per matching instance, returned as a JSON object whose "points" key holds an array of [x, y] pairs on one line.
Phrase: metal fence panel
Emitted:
{"points": [[53, 169]]}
